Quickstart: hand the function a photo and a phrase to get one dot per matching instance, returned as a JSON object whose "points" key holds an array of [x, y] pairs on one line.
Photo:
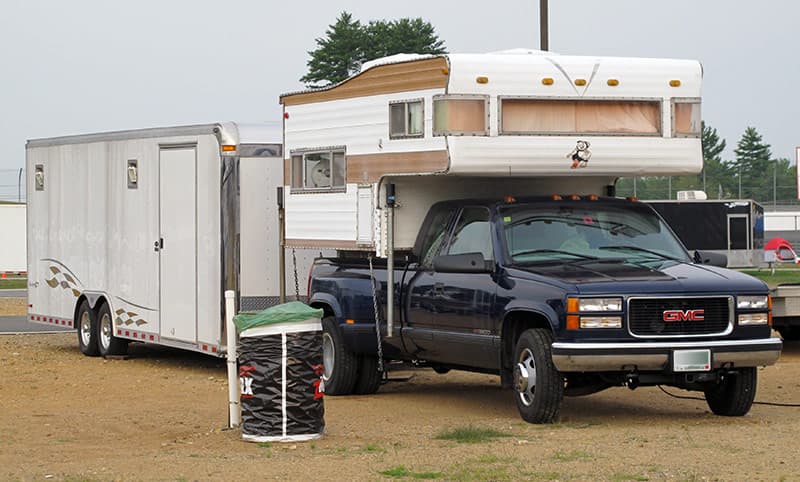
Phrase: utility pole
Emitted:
{"points": [[775, 185], [543, 43], [19, 186]]}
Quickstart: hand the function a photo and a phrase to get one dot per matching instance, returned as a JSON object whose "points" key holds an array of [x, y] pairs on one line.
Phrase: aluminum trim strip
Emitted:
{"points": [[662, 345]]}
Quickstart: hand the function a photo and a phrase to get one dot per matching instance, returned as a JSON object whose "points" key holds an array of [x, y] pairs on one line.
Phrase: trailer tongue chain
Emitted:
{"points": [[377, 314]]}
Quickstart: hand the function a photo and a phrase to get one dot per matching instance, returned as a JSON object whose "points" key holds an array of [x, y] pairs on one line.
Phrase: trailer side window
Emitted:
{"points": [[318, 170], [39, 177], [521, 116], [406, 119], [686, 118], [465, 115]]}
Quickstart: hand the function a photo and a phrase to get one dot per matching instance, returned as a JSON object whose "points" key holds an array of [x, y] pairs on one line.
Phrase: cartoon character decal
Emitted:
{"points": [[580, 155]]}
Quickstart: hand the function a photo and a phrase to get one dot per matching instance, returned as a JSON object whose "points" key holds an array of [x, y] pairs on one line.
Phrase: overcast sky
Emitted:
{"points": [[80, 66]]}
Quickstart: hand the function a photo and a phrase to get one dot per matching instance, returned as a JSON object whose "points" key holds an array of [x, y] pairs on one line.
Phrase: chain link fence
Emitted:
{"points": [[12, 185]]}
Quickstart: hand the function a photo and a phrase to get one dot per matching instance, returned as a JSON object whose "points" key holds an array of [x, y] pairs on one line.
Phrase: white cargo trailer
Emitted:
{"points": [[12, 238], [135, 235]]}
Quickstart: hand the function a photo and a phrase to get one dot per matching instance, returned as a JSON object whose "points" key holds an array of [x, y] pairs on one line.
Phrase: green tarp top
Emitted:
{"points": [[286, 313]]}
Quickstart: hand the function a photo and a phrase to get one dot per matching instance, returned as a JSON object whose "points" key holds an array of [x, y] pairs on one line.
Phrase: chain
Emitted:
{"points": [[296, 279], [377, 314]]}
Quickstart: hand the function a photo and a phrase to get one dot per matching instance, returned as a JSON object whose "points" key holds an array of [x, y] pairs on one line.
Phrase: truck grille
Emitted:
{"points": [[646, 316]]}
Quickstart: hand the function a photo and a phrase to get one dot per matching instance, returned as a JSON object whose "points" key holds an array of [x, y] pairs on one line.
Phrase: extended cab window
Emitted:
{"points": [[472, 233]]}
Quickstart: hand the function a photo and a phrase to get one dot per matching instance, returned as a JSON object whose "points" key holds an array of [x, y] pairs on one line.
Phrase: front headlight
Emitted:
{"points": [[760, 302], [599, 304]]}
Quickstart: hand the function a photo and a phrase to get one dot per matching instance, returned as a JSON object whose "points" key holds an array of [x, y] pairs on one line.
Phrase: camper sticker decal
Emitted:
{"points": [[128, 318], [580, 155], [62, 279]]}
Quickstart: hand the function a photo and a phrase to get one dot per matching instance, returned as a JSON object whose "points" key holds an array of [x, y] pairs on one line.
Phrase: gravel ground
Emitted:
{"points": [[161, 414]]}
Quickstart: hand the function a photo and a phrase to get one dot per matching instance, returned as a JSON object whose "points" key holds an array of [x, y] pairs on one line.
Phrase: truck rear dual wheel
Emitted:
{"points": [[538, 386], [107, 343], [341, 364], [733, 395], [368, 380]]}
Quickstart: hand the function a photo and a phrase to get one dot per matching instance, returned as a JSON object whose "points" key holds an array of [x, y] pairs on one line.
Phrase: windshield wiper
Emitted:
{"points": [[557, 251], [643, 250]]}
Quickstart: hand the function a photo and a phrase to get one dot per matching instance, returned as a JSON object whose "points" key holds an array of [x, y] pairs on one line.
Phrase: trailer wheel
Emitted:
{"points": [[538, 387], [733, 395], [86, 321], [369, 378], [107, 343], [340, 363]]}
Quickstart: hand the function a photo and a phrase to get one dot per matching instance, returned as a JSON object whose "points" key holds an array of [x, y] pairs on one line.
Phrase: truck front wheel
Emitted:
{"points": [[733, 394], [340, 363], [538, 387]]}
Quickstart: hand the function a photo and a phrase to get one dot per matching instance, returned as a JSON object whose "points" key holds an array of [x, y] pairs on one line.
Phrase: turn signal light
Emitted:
{"points": [[228, 148]]}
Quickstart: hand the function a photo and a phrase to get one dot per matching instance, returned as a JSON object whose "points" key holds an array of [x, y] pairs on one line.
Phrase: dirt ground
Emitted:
{"points": [[13, 307], [161, 415]]}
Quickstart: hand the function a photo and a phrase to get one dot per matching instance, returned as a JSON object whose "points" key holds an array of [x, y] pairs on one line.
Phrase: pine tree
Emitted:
{"points": [[348, 44], [753, 164], [338, 55], [717, 172]]}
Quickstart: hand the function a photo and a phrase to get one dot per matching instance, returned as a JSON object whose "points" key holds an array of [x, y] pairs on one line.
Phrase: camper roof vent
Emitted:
{"points": [[691, 195]]}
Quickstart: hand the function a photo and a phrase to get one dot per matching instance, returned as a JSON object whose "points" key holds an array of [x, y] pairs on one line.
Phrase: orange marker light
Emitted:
{"points": [[228, 148], [350, 322], [592, 197], [612, 82], [575, 197], [632, 199], [573, 320], [769, 305], [674, 83], [556, 197], [580, 82], [547, 81], [509, 199], [482, 79]]}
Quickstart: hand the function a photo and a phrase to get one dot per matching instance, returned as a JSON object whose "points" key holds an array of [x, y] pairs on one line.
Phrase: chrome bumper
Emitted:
{"points": [[602, 357]]}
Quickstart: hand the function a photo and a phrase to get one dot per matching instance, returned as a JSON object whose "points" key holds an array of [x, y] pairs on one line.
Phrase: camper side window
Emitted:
{"points": [[460, 115], [319, 170], [406, 119], [686, 117]]}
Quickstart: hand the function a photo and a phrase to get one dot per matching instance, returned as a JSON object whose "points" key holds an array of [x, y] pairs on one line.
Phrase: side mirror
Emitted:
{"points": [[461, 263], [712, 258]]}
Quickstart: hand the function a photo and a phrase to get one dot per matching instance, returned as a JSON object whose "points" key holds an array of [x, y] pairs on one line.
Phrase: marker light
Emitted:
{"points": [[445, 70], [580, 81], [482, 79], [632, 199], [674, 83], [574, 197], [228, 148], [592, 197], [509, 199], [613, 82], [547, 81], [556, 197]]}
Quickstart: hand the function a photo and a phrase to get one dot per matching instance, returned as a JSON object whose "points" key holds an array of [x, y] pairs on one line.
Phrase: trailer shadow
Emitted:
{"points": [[173, 356]]}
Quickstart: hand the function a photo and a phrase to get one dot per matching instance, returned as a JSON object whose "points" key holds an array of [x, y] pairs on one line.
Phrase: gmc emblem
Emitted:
{"points": [[681, 315]]}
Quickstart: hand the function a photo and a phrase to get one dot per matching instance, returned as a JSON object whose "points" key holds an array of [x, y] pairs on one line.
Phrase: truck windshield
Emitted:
{"points": [[593, 230]]}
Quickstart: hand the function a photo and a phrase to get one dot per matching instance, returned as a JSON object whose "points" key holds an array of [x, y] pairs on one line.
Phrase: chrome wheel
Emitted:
{"points": [[86, 328], [525, 377], [328, 355], [106, 332]]}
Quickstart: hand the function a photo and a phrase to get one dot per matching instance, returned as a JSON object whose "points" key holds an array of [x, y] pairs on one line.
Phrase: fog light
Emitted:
{"points": [[601, 322], [754, 319]]}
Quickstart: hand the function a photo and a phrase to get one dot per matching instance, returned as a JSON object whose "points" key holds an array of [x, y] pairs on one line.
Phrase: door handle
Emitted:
{"points": [[158, 245], [438, 288]]}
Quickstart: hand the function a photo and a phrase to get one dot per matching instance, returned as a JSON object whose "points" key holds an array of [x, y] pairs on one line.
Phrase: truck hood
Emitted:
{"points": [[624, 277]]}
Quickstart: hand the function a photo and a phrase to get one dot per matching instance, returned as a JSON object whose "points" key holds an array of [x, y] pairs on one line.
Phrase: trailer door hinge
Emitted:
{"points": [[158, 245]]}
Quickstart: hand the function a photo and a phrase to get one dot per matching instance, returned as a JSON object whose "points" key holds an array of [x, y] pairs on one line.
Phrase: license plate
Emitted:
{"points": [[691, 360]]}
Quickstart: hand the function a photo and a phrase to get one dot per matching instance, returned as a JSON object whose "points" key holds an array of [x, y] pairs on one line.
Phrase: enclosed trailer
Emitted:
{"points": [[135, 235], [441, 127], [12, 238], [734, 228]]}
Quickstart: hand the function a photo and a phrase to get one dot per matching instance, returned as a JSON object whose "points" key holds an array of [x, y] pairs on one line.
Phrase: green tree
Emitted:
{"points": [[348, 44], [338, 55], [717, 174], [753, 164]]}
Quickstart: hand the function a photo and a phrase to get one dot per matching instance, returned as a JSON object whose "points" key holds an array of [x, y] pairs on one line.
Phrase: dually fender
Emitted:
{"points": [[329, 300]]}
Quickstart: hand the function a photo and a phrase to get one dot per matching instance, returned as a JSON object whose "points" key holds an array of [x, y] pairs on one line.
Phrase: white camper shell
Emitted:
{"points": [[519, 122], [154, 224]]}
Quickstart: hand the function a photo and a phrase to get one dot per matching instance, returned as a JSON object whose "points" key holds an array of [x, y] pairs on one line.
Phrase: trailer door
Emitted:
{"points": [[738, 232], [177, 245]]}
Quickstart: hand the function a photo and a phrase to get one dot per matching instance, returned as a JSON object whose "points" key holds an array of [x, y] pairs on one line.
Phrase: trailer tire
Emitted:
{"points": [[369, 378], [733, 395], [340, 363], [86, 324], [107, 343], [538, 386]]}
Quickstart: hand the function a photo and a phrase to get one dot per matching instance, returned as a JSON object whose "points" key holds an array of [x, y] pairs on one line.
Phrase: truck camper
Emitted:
{"points": [[135, 235], [470, 198]]}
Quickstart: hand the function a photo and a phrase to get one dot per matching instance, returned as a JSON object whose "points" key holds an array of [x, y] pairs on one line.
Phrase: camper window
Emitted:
{"points": [[460, 115], [406, 119], [525, 116], [318, 170], [686, 118]]}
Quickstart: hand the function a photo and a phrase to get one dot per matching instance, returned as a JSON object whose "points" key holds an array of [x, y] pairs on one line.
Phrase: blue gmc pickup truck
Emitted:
{"points": [[558, 295]]}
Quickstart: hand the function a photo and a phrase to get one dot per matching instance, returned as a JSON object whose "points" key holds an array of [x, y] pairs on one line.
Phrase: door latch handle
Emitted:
{"points": [[438, 288], [158, 245]]}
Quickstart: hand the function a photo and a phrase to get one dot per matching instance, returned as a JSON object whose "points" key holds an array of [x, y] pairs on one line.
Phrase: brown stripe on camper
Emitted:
{"points": [[381, 79], [371, 167]]}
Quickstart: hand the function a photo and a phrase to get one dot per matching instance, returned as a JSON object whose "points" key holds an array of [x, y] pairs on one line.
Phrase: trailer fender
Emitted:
{"points": [[93, 297]]}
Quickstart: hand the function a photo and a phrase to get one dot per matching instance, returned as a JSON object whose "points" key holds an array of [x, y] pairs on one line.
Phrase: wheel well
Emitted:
{"points": [[98, 302], [326, 309], [513, 325]]}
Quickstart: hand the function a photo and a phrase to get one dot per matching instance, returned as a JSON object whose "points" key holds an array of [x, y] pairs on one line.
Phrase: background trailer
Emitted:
{"points": [[734, 228], [12, 238], [135, 235]]}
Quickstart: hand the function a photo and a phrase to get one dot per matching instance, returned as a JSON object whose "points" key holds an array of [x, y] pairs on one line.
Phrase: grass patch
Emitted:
{"points": [[782, 275], [372, 448], [627, 477], [470, 435], [13, 284], [571, 456], [265, 445], [401, 472]]}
